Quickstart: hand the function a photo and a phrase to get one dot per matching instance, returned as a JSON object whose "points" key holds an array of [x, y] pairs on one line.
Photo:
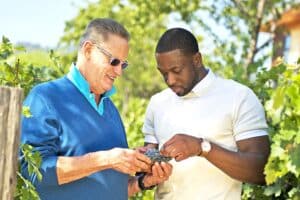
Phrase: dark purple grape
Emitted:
{"points": [[155, 156]]}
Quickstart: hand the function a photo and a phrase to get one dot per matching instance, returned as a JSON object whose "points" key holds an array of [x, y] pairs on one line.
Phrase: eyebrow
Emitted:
{"points": [[170, 68]]}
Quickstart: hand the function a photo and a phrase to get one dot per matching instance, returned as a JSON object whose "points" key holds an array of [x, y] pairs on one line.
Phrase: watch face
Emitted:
{"points": [[205, 145]]}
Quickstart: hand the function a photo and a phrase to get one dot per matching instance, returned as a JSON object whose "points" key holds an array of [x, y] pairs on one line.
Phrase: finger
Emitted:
{"points": [[143, 158], [168, 143], [179, 157], [159, 170], [176, 137], [131, 164], [172, 148], [172, 151], [141, 149], [167, 168], [154, 170], [175, 153], [142, 166], [163, 152], [168, 150]]}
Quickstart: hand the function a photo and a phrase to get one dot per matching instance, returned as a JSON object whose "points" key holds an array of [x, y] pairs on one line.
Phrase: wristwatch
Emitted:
{"points": [[141, 185], [205, 147]]}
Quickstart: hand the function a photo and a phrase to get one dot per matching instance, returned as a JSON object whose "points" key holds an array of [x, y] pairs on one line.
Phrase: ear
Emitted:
{"points": [[87, 49], [197, 59]]}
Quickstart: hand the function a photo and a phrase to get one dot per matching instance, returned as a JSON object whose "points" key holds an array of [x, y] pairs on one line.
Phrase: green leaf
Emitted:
{"points": [[277, 151], [294, 193], [39, 175], [295, 158], [26, 111], [278, 97], [273, 190]]}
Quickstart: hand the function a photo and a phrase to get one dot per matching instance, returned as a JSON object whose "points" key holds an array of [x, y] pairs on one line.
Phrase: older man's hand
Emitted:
{"points": [[160, 173], [128, 161]]}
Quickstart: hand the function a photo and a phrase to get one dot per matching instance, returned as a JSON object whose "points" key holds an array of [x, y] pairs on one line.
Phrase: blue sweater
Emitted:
{"points": [[64, 123]]}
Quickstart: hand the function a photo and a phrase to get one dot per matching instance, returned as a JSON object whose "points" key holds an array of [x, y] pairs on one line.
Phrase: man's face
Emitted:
{"points": [[180, 72], [101, 73]]}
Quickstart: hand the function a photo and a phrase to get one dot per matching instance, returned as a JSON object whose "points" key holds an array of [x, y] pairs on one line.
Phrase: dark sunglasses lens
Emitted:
{"points": [[124, 65], [115, 62]]}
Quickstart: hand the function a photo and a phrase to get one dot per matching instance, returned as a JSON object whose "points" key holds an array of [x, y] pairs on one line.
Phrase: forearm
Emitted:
{"points": [[73, 168], [243, 166]]}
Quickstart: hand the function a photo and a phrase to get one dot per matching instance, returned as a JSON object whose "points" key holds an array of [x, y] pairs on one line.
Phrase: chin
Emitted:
{"points": [[180, 94], [107, 88]]}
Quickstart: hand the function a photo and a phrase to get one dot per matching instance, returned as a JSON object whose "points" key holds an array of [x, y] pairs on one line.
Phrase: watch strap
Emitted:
{"points": [[141, 185]]}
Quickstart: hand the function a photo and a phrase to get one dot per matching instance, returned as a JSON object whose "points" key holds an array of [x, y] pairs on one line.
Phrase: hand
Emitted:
{"points": [[142, 149], [128, 161], [182, 146], [160, 173]]}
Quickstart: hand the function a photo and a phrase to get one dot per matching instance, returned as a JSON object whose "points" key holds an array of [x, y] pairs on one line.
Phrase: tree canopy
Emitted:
{"points": [[232, 26]]}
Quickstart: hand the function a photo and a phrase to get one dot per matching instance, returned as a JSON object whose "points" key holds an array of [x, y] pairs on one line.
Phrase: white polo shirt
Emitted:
{"points": [[223, 111]]}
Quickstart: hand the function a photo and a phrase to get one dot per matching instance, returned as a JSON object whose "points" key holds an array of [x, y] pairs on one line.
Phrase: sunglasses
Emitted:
{"points": [[113, 61]]}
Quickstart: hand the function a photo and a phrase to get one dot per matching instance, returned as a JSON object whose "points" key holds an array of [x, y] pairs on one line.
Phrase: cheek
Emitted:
{"points": [[98, 60], [188, 79], [101, 72], [97, 73]]}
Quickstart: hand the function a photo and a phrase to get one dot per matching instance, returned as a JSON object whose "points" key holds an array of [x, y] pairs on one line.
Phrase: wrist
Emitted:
{"points": [[142, 182], [206, 147], [199, 153], [133, 186], [147, 182], [102, 159], [136, 184]]}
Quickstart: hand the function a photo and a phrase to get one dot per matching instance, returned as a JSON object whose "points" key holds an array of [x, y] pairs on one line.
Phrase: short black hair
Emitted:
{"points": [[102, 27], [177, 38]]}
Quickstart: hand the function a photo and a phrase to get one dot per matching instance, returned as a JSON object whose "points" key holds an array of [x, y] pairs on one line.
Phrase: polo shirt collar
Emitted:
{"points": [[81, 83], [83, 86], [203, 85]]}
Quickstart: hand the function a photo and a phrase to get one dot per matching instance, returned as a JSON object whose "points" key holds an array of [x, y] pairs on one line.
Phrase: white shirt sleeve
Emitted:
{"points": [[249, 117], [148, 127]]}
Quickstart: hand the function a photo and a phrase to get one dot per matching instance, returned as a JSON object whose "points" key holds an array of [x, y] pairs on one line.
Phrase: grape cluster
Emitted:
{"points": [[155, 156]]}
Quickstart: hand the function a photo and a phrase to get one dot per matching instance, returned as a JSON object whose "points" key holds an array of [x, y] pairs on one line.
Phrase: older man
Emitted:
{"points": [[78, 130]]}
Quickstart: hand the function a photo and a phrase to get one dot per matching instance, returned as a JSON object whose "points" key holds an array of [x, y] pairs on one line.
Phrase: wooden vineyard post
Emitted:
{"points": [[10, 116]]}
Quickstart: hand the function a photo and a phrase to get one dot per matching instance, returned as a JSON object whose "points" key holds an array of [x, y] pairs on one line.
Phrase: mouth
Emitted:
{"points": [[175, 88], [111, 77], [178, 90]]}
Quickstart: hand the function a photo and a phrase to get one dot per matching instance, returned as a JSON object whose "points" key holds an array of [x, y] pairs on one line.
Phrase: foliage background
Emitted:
{"points": [[235, 54]]}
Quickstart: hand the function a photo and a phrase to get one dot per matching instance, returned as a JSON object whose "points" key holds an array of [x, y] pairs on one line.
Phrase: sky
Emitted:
{"points": [[37, 21], [42, 22]]}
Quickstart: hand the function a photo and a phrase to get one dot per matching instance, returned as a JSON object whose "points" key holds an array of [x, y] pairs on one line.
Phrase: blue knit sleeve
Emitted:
{"points": [[41, 131]]}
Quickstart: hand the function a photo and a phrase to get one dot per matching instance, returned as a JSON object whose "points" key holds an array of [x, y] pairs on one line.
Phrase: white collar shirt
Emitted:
{"points": [[222, 111]]}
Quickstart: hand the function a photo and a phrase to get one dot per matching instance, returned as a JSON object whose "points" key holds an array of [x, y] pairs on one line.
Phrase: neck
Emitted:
{"points": [[82, 70], [202, 73], [97, 98]]}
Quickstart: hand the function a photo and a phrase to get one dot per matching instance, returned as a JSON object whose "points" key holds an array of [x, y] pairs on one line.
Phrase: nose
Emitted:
{"points": [[170, 79], [118, 70]]}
